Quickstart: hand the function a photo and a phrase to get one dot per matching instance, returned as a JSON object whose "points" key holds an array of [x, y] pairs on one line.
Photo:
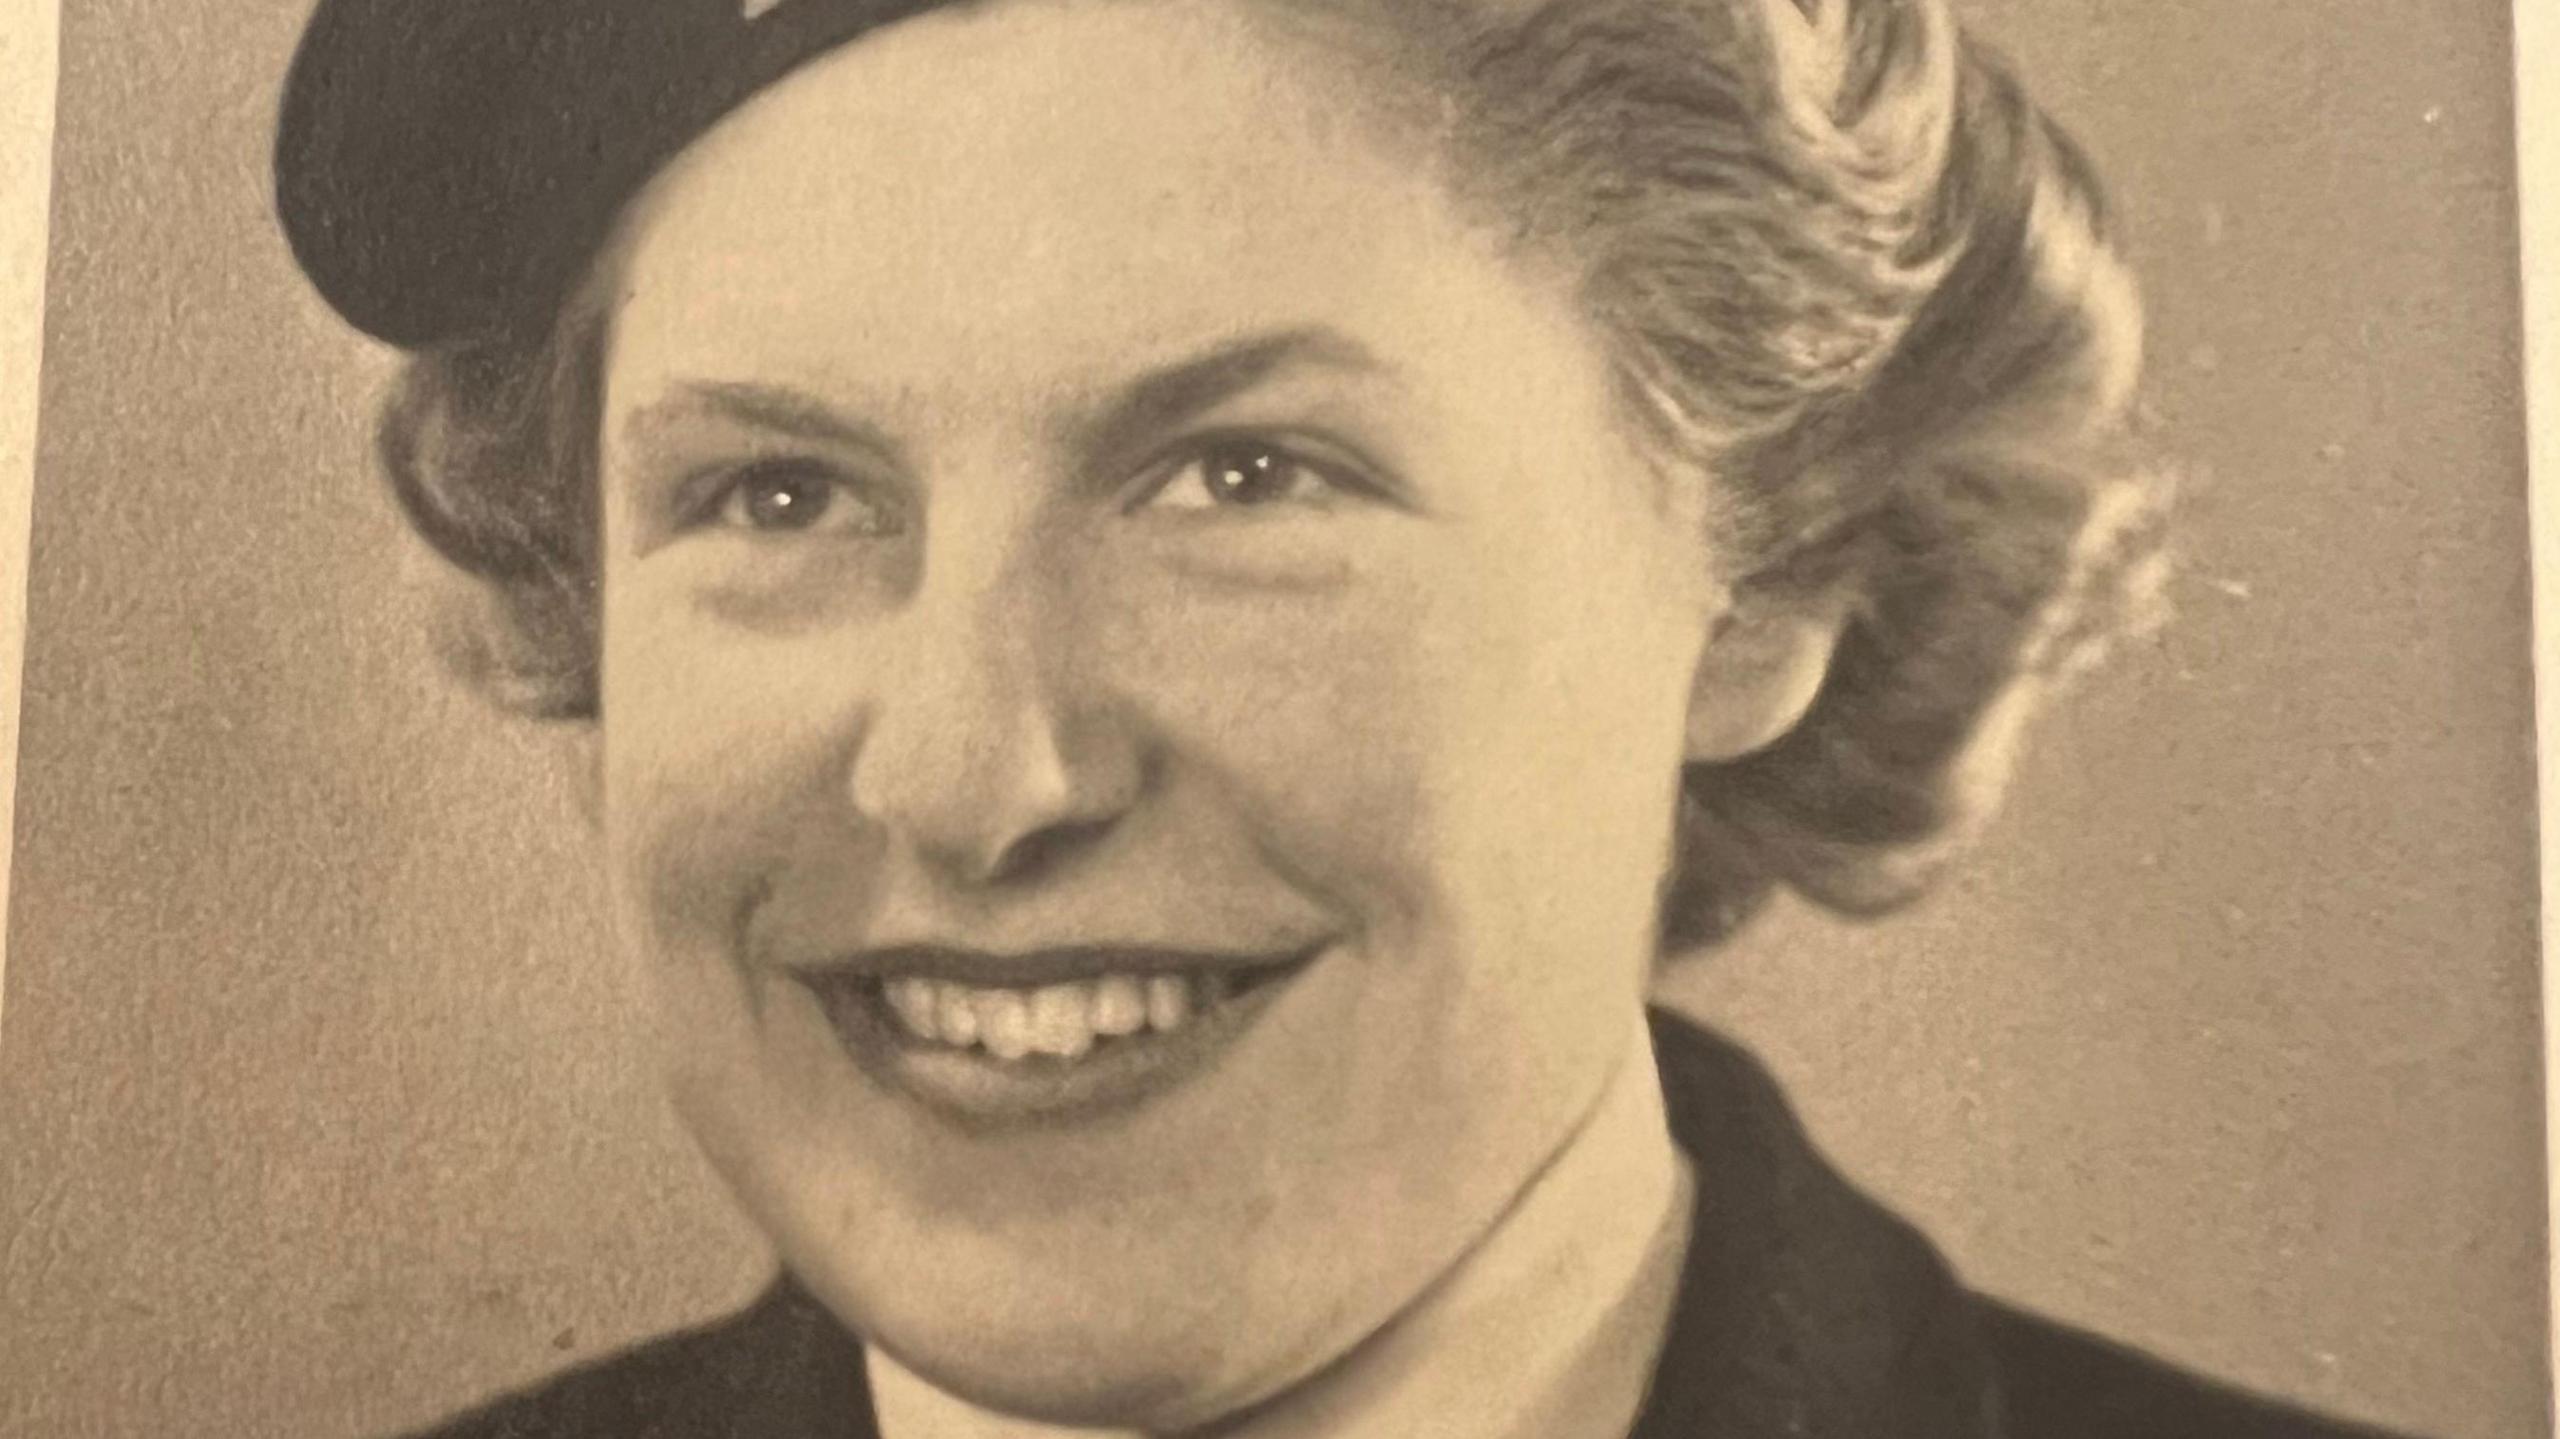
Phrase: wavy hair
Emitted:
{"points": [[1846, 270]]}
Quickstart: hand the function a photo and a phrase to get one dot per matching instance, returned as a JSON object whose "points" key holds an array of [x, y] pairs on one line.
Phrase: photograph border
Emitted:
{"points": [[30, 46], [29, 69], [2537, 57]]}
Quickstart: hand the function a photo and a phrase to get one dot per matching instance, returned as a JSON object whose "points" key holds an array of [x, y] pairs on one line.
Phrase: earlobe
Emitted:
{"points": [[1759, 672]]}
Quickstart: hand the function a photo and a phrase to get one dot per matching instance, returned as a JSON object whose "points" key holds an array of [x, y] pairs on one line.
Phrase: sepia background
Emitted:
{"points": [[317, 1113]]}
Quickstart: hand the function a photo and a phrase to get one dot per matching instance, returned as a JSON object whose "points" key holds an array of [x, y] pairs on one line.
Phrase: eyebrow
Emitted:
{"points": [[1166, 397], [768, 407], [1155, 401]]}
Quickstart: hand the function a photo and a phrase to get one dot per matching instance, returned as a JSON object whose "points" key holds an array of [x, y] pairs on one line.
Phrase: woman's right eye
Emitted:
{"points": [[794, 497]]}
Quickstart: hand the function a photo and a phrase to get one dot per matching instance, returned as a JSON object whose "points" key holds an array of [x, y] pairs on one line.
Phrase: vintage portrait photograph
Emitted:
{"points": [[1277, 719]]}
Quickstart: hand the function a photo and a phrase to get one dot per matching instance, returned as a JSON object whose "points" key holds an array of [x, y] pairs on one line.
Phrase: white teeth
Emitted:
{"points": [[1063, 1021], [913, 999], [1168, 1001], [957, 1012], [1119, 1005], [1004, 1022]]}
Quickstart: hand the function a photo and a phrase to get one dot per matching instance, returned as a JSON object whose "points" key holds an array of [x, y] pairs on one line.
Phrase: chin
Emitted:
{"points": [[1152, 1367], [1065, 1392]]}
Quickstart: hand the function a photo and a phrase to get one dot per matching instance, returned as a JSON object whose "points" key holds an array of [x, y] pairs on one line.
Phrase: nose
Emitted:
{"points": [[988, 756]]}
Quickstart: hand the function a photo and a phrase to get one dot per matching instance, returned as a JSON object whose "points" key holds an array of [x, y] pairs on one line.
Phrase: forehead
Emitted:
{"points": [[1042, 178]]}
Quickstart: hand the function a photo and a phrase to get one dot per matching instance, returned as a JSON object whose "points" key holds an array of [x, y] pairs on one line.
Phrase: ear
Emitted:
{"points": [[1761, 667]]}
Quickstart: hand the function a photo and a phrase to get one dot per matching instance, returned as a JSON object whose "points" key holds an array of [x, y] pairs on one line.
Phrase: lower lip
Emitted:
{"points": [[973, 1087]]}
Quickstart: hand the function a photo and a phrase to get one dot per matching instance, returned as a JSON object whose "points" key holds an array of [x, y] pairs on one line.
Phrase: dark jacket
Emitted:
{"points": [[1805, 1311]]}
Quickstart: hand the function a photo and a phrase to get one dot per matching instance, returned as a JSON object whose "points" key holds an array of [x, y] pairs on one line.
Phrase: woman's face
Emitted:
{"points": [[1143, 694]]}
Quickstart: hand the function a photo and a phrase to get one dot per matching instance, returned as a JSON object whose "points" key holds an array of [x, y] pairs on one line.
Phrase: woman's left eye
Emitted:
{"points": [[1241, 474]]}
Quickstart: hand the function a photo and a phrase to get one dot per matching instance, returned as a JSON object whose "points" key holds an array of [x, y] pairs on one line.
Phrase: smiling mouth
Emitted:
{"points": [[969, 1037], [1060, 1021]]}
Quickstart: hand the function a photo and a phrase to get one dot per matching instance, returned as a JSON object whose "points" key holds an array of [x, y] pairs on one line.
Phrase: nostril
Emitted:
{"points": [[992, 783], [1045, 850]]}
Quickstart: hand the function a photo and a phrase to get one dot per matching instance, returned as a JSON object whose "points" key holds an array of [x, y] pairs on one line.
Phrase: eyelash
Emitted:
{"points": [[1209, 455], [715, 493]]}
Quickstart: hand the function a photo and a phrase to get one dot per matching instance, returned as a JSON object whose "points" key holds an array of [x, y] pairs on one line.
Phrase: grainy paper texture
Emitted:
{"points": [[321, 1107]]}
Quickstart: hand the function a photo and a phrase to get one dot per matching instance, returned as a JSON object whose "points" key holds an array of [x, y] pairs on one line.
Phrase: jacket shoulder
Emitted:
{"points": [[2057, 1382], [773, 1371]]}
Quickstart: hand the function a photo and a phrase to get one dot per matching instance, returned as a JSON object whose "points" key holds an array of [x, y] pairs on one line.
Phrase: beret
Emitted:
{"points": [[445, 169]]}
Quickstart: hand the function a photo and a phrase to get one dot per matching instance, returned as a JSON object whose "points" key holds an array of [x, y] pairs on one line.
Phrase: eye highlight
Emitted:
{"points": [[1244, 472], [793, 496]]}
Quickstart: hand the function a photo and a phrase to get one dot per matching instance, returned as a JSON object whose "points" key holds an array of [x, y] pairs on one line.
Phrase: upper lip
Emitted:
{"points": [[1063, 964]]}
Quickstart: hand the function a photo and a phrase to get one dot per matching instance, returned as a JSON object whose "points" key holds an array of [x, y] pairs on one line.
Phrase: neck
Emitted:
{"points": [[1548, 1327]]}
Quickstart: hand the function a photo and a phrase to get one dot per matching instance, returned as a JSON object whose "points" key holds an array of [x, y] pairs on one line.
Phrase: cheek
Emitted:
{"points": [[715, 780], [1558, 673], [1460, 726], [715, 764], [1307, 717]]}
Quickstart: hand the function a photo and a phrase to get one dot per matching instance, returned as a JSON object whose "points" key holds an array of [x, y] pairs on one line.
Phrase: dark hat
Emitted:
{"points": [[445, 169]]}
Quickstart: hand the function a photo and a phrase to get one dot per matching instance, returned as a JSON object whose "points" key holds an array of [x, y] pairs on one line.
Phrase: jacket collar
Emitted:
{"points": [[1805, 1309]]}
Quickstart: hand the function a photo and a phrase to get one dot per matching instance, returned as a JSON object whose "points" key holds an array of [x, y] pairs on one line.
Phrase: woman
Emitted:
{"points": [[1175, 603]]}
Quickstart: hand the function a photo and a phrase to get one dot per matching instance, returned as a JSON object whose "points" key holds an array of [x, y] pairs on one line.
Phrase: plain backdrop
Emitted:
{"points": [[317, 1110]]}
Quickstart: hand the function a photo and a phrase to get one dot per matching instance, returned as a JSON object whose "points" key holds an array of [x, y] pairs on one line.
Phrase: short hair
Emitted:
{"points": [[1845, 269]]}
